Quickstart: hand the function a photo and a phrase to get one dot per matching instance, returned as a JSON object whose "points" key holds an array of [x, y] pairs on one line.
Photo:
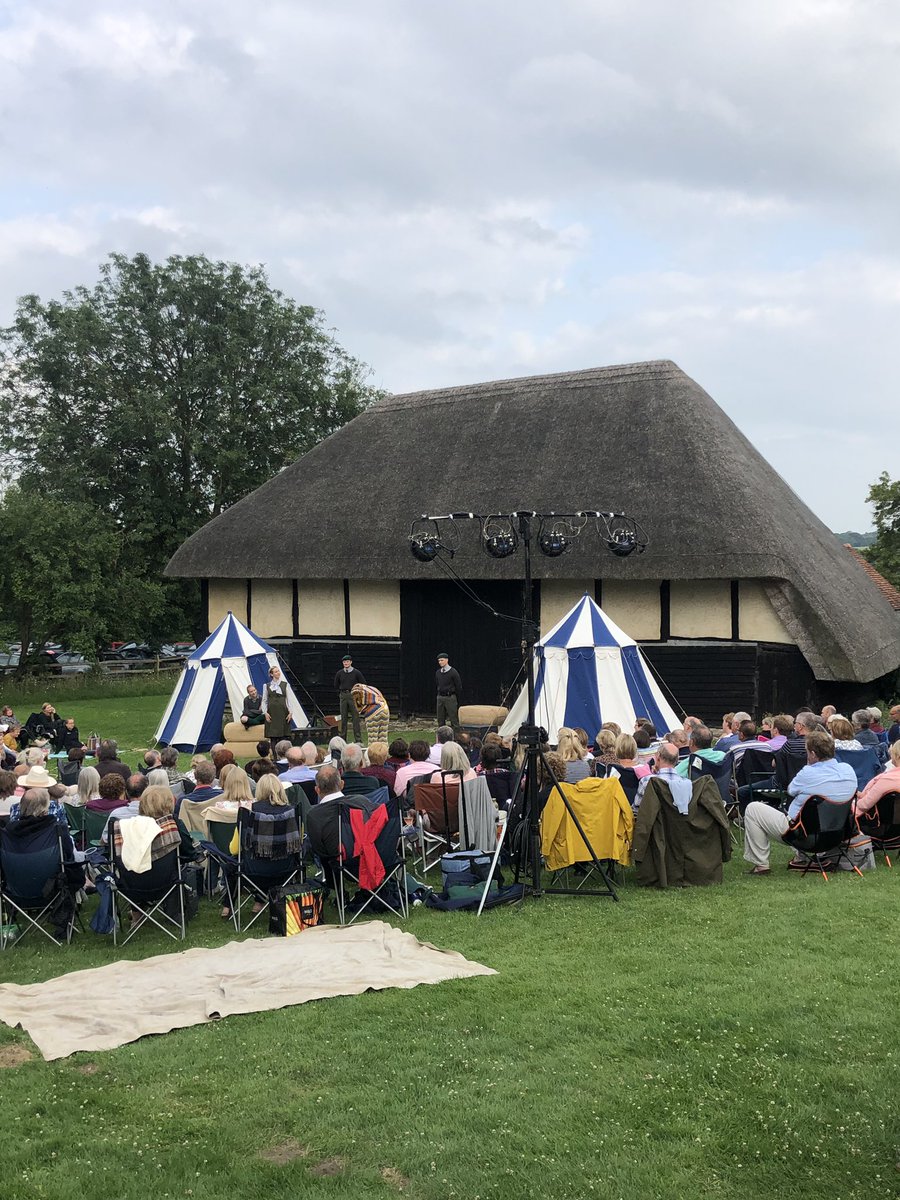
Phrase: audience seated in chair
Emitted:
{"points": [[822, 776], [355, 783]]}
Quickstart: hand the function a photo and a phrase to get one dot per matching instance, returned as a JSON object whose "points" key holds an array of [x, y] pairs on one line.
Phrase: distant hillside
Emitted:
{"points": [[856, 539]]}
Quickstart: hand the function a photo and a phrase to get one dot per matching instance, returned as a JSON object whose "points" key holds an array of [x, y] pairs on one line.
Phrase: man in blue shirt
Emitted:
{"points": [[822, 776], [664, 768]]}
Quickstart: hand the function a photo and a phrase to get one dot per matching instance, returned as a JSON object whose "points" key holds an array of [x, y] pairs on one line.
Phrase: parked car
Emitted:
{"points": [[71, 663], [46, 661], [177, 650]]}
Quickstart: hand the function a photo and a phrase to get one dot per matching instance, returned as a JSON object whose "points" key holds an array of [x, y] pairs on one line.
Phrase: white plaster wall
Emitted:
{"points": [[759, 622], [320, 607], [374, 608], [226, 595], [634, 606], [558, 596], [271, 601], [700, 608]]}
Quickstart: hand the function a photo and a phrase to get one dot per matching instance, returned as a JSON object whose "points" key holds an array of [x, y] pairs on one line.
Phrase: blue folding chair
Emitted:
{"points": [[33, 886], [864, 762]]}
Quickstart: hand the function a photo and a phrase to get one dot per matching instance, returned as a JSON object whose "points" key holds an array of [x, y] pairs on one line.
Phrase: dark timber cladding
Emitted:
{"points": [[486, 650], [713, 508]]}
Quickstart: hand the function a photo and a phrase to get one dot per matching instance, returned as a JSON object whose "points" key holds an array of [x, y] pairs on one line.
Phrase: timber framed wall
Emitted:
{"points": [[714, 643]]}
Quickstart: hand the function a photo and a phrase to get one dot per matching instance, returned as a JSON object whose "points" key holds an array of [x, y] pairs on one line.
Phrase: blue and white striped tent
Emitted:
{"points": [[587, 671], [218, 671]]}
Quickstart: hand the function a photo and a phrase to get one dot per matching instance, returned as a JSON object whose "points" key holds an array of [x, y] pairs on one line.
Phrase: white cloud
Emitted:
{"points": [[472, 190]]}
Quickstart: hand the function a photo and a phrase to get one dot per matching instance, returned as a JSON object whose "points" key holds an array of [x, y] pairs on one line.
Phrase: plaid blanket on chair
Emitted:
{"points": [[270, 836]]}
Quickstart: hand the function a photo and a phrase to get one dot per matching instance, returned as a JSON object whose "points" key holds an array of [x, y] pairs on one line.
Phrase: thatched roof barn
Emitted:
{"points": [[742, 589]]}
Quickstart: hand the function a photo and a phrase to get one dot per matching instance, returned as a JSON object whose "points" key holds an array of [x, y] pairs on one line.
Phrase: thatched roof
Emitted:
{"points": [[643, 438]]}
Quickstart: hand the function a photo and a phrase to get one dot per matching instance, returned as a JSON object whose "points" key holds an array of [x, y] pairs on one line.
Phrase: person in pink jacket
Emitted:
{"points": [[887, 781]]}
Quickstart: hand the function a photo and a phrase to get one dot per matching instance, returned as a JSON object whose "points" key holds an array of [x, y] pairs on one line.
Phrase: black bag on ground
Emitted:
{"points": [[295, 908]]}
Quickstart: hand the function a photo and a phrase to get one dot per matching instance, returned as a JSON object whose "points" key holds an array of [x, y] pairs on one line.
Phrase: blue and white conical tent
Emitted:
{"points": [[220, 670], [588, 671]]}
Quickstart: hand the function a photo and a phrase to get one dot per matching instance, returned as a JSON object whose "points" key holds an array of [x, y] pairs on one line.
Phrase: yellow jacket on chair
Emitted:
{"points": [[604, 814]]}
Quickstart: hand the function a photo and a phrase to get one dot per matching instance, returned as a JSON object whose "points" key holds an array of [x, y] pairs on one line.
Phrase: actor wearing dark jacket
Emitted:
{"points": [[344, 680], [449, 689]]}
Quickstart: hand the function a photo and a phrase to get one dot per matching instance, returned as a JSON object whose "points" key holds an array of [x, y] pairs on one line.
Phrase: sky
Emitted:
{"points": [[477, 189]]}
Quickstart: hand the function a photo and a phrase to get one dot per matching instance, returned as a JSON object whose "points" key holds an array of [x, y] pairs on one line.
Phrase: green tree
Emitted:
{"points": [[61, 574], [164, 394], [884, 553]]}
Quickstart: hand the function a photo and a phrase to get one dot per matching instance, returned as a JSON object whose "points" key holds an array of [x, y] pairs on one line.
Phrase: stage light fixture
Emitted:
{"points": [[500, 545], [424, 547], [553, 542], [499, 537], [622, 544]]}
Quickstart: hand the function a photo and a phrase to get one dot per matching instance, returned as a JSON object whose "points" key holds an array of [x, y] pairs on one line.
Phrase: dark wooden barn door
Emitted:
{"points": [[437, 615]]}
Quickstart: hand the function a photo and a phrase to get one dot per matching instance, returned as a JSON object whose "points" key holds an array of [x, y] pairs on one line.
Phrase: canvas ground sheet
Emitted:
{"points": [[170, 991]]}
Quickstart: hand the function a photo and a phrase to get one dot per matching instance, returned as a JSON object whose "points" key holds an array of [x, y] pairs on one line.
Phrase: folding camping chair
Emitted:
{"points": [[864, 763], [250, 876], [75, 816], [219, 835], [147, 892], [33, 886], [720, 772], [94, 826], [627, 777], [372, 856], [820, 828], [755, 769], [882, 824], [67, 772], [437, 819]]}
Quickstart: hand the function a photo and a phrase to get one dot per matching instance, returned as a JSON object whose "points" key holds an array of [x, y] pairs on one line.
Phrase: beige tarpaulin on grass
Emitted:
{"points": [[105, 1007]]}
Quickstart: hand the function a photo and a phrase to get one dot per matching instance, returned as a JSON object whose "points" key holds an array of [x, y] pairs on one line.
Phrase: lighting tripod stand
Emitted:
{"points": [[501, 535]]}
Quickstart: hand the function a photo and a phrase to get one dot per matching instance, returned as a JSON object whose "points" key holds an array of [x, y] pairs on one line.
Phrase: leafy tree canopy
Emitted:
{"points": [[884, 553], [61, 574], [164, 394]]}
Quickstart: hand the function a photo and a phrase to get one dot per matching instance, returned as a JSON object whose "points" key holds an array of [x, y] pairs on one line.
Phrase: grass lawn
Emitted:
{"points": [[733, 1042]]}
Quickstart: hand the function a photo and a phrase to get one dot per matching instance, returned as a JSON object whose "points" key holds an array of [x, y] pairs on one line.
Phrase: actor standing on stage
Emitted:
{"points": [[275, 706], [449, 689], [344, 681]]}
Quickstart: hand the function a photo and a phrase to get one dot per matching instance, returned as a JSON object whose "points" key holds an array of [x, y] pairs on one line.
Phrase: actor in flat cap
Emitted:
{"points": [[449, 690], [343, 682]]}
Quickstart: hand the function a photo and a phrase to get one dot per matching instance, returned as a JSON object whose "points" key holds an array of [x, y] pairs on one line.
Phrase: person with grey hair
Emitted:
{"points": [[700, 745], [731, 737], [152, 759], [663, 768], [281, 753], [862, 720], [355, 783], [328, 784], [298, 770], [28, 829], [336, 748], [444, 735], [454, 758], [168, 760]]}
